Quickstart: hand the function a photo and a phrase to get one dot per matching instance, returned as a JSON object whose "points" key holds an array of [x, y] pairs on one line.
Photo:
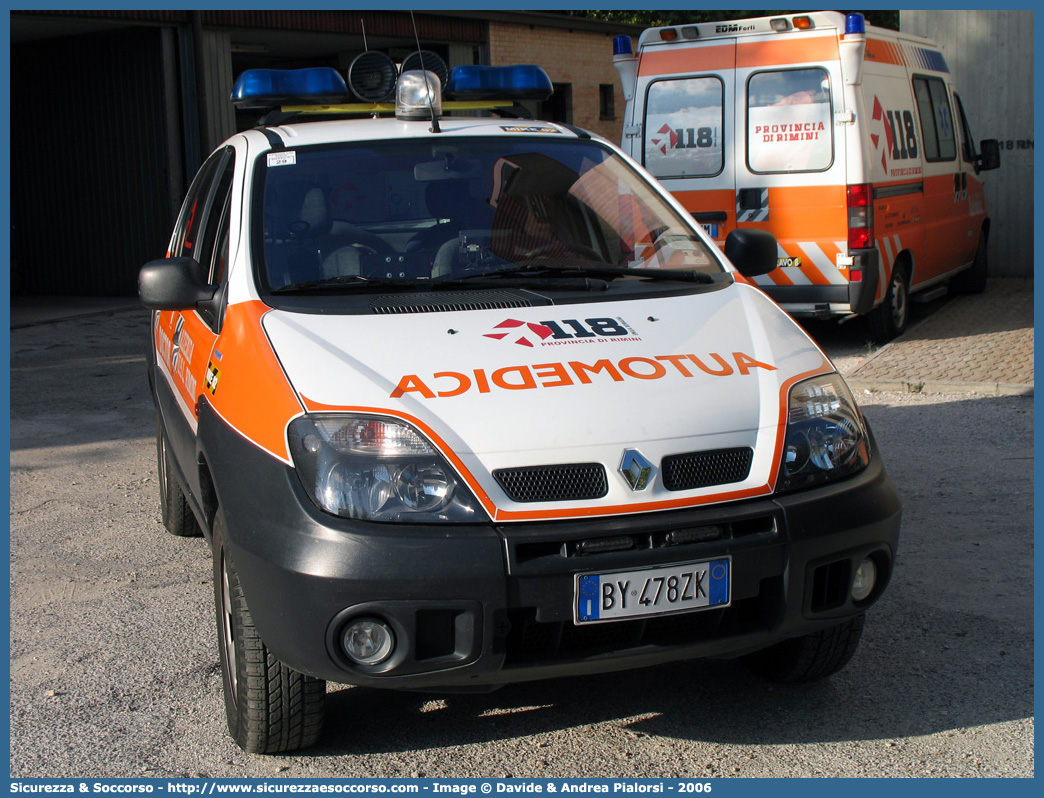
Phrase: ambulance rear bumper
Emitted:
{"points": [[856, 296], [476, 606]]}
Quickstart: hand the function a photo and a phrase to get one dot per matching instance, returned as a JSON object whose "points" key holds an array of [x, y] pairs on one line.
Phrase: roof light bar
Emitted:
{"points": [[372, 79], [268, 88], [520, 82]]}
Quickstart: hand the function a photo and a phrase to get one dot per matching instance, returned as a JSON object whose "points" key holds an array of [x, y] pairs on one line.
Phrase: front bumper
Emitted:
{"points": [[483, 605]]}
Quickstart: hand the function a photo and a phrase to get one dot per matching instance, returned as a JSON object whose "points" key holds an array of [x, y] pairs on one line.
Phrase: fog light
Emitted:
{"points": [[368, 641], [865, 579]]}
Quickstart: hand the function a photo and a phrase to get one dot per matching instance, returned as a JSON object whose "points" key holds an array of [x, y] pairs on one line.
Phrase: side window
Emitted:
{"points": [[933, 106], [968, 151], [684, 118], [215, 226], [202, 231], [789, 121], [194, 208]]}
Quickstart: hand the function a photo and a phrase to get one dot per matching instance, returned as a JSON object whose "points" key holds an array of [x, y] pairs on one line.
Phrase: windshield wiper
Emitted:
{"points": [[606, 272], [345, 280]]}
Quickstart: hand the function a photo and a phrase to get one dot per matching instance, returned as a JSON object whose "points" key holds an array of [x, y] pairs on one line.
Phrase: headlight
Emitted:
{"points": [[377, 469], [826, 438]]}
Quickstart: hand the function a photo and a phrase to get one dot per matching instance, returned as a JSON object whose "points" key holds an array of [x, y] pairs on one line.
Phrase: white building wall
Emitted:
{"points": [[991, 56]]}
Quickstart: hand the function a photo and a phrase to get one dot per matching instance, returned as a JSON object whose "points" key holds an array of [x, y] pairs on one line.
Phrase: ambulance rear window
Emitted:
{"points": [[789, 121], [683, 127]]}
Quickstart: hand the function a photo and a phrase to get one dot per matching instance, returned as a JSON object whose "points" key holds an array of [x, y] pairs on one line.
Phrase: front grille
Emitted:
{"points": [[431, 302], [553, 483], [702, 469]]}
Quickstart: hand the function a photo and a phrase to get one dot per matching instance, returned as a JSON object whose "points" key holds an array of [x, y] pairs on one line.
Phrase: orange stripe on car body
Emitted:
{"points": [[254, 395]]}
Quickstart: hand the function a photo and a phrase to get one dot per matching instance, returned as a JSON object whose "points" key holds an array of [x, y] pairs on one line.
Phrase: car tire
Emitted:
{"points": [[175, 512], [973, 279], [270, 708], [888, 320], [808, 658]]}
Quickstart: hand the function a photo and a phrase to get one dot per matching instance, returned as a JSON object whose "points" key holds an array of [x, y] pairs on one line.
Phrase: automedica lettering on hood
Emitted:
{"points": [[684, 380]]}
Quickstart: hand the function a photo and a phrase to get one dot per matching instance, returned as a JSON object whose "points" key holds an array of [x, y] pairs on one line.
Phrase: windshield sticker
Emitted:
{"points": [[553, 375], [282, 158], [529, 129]]}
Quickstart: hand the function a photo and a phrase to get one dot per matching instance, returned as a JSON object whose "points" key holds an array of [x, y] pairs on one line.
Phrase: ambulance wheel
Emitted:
{"points": [[808, 658], [888, 320], [269, 707], [973, 279], [175, 512]]}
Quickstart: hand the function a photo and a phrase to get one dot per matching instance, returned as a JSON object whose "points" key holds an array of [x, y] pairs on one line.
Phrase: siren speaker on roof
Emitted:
{"points": [[371, 76]]}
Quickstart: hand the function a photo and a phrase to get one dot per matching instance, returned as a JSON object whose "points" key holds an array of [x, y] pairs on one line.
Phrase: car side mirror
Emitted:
{"points": [[989, 155], [173, 284], [753, 252]]}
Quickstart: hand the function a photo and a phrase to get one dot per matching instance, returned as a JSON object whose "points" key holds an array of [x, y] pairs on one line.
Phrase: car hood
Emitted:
{"points": [[566, 384]]}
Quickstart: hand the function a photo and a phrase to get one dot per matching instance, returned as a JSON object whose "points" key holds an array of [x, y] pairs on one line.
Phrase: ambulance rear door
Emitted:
{"points": [[791, 170], [688, 138]]}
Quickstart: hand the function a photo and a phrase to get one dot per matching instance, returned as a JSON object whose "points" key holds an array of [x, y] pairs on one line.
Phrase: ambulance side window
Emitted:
{"points": [[968, 152], [789, 121], [937, 126], [684, 119]]}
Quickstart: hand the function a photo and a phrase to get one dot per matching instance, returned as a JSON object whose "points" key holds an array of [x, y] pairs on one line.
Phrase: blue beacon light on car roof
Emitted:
{"points": [[265, 88], [519, 82]]}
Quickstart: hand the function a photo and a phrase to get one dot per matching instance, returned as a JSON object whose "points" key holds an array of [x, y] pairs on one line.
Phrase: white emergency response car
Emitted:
{"points": [[847, 142], [459, 402]]}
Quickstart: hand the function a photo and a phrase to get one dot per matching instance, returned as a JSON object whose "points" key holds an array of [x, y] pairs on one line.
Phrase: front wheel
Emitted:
{"points": [[270, 708], [888, 320], [808, 658]]}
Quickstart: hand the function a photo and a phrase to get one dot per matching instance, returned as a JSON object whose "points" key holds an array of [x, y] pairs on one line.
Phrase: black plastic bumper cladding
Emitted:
{"points": [[863, 292], [482, 605]]}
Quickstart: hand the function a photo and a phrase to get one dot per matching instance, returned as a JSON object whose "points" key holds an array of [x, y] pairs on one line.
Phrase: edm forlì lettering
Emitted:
{"points": [[553, 375]]}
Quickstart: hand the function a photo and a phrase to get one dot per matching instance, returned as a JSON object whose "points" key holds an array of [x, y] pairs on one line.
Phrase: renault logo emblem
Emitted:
{"points": [[636, 469]]}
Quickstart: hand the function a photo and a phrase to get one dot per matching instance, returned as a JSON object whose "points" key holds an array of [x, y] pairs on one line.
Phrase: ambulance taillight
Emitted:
{"points": [[860, 216]]}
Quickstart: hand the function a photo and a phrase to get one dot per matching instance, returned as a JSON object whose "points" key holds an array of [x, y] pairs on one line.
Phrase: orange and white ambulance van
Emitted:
{"points": [[848, 142], [462, 401]]}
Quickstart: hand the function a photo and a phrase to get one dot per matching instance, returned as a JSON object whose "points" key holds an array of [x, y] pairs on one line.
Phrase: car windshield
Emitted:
{"points": [[420, 211]]}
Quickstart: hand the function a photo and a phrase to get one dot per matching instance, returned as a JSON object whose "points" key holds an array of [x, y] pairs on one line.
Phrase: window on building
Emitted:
{"points": [[606, 101], [559, 106]]}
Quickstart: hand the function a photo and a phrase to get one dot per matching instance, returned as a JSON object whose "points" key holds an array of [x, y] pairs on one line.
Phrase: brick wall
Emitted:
{"points": [[581, 58]]}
